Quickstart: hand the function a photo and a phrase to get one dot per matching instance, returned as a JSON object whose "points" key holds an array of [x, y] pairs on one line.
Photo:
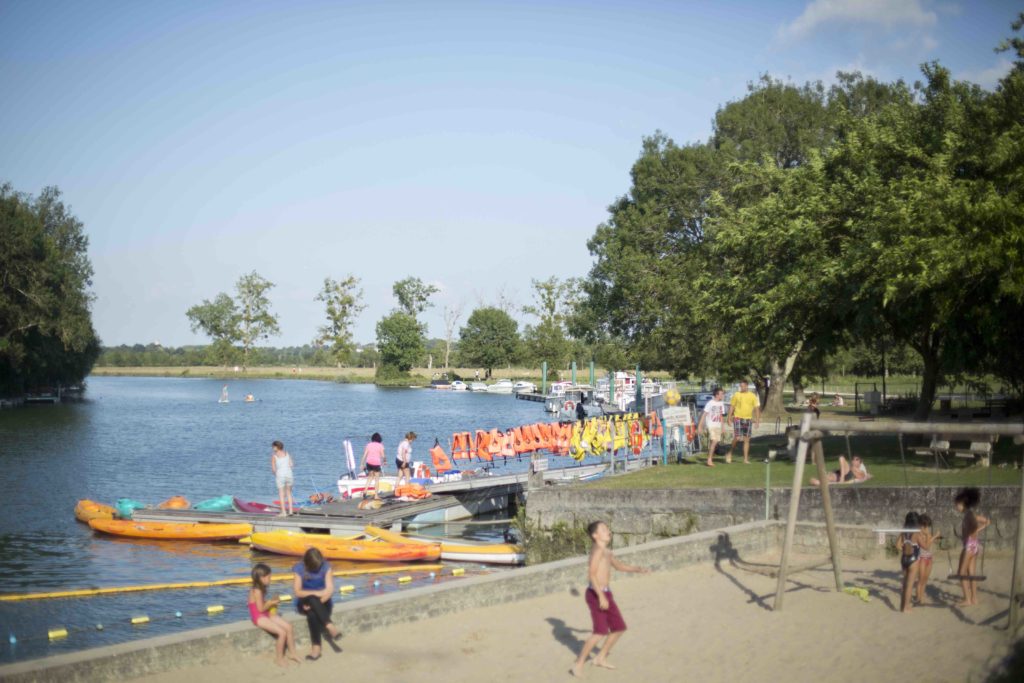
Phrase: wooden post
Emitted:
{"points": [[794, 505], [830, 522], [1017, 582]]}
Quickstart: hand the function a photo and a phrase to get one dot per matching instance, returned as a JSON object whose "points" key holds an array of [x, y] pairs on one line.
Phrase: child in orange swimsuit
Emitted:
{"points": [[259, 611], [925, 540], [966, 500]]}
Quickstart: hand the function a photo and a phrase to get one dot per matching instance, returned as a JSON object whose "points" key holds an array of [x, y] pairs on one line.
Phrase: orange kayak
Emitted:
{"points": [[89, 509], [194, 531], [175, 503], [457, 550], [339, 548]]}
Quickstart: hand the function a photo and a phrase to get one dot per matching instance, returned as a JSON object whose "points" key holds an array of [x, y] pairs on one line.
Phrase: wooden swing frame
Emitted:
{"points": [[812, 431]]}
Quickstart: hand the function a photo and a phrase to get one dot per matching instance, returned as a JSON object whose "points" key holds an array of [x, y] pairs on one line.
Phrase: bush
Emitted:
{"points": [[547, 545]]}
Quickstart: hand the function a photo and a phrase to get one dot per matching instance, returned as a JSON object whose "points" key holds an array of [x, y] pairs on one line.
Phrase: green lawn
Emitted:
{"points": [[881, 455]]}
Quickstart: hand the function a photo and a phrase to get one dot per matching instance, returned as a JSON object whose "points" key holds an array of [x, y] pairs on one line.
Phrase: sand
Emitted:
{"points": [[694, 624]]}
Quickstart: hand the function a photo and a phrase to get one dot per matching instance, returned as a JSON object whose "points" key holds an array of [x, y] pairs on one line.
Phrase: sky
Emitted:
{"points": [[475, 145]]}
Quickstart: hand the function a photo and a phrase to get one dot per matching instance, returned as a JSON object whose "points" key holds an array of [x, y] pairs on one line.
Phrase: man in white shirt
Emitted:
{"points": [[712, 418]]}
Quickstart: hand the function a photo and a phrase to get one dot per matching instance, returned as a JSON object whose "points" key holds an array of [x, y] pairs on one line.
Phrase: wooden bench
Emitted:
{"points": [[977, 450], [938, 449], [941, 447]]}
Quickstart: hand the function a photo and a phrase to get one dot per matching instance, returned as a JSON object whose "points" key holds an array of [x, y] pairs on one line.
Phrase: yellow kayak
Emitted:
{"points": [[192, 531], [460, 550], [338, 548], [89, 509]]}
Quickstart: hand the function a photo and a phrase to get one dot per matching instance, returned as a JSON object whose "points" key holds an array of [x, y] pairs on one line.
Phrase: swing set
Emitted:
{"points": [[812, 431]]}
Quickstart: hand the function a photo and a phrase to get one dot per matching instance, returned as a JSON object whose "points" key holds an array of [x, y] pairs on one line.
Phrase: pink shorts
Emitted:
{"points": [[605, 620]]}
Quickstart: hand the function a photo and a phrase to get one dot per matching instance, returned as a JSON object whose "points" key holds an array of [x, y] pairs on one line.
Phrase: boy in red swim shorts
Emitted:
{"points": [[604, 612]]}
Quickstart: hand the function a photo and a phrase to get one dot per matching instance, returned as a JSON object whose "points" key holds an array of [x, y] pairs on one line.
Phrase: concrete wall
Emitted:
{"points": [[205, 645], [640, 516]]}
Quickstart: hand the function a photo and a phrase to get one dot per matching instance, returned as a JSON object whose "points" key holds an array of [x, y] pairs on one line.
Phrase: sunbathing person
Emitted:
{"points": [[848, 473]]}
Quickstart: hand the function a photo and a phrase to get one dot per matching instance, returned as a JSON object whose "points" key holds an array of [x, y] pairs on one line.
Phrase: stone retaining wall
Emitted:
{"points": [[639, 516]]}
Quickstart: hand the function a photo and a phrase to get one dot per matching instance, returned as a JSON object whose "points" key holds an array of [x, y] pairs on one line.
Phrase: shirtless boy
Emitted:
{"points": [[603, 610]]}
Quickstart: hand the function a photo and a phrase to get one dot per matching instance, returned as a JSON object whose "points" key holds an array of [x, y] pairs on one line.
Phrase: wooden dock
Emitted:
{"points": [[451, 501], [527, 396]]}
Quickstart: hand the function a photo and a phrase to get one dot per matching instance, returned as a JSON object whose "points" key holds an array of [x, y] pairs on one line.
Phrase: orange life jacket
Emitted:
{"points": [[482, 440], [411, 491], [462, 446], [544, 434], [441, 462], [508, 441], [494, 443], [636, 436], [654, 425]]}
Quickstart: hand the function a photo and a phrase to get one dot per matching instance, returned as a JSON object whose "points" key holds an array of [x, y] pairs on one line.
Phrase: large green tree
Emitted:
{"points": [[255, 321], [413, 295], [489, 339], [400, 341], [554, 303], [217, 319], [46, 331], [342, 300]]}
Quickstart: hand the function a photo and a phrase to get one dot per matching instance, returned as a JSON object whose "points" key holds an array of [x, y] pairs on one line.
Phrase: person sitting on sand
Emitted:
{"points": [[847, 473]]}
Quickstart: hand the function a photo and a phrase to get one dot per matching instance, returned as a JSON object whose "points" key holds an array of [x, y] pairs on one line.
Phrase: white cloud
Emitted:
{"points": [[987, 78], [885, 13]]}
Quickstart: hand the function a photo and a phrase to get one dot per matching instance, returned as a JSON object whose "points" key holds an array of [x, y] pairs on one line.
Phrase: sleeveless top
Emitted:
{"points": [[311, 581], [284, 464], [374, 453]]}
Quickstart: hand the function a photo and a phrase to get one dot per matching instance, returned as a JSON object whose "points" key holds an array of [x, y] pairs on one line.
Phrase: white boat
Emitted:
{"points": [[477, 386], [458, 385], [523, 387], [502, 386], [349, 488]]}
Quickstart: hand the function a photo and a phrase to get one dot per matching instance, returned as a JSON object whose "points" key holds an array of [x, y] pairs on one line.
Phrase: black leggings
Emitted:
{"points": [[317, 616]]}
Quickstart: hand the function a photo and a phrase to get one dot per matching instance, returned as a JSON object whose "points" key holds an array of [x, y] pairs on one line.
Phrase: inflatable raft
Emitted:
{"points": [[195, 531], [337, 548], [252, 507], [89, 509], [459, 550]]}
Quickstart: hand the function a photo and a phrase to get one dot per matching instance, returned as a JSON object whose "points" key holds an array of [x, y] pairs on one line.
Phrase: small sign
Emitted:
{"points": [[676, 416], [540, 465]]}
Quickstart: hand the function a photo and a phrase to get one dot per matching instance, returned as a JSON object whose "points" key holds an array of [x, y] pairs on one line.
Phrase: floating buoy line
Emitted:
{"points": [[58, 633]]}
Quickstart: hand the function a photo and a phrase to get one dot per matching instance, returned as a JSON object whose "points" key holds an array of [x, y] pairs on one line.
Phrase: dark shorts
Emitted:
{"points": [[373, 468], [401, 465], [740, 427], [605, 620]]}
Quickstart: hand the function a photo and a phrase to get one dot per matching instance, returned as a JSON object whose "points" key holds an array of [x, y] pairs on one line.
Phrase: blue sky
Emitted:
{"points": [[475, 145]]}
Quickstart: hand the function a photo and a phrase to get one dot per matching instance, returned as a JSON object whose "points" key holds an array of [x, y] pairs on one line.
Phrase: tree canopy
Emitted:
{"points": [[489, 339], [46, 332]]}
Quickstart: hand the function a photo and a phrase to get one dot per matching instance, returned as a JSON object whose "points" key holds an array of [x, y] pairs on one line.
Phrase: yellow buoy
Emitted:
{"points": [[54, 633], [140, 620], [458, 572], [213, 609], [346, 589], [404, 579], [284, 597]]}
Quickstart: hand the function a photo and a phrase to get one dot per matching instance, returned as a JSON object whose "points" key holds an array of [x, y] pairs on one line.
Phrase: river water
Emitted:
{"points": [[153, 438]]}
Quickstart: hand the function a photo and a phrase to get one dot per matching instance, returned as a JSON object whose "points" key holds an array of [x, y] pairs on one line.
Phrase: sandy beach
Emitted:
{"points": [[698, 623]]}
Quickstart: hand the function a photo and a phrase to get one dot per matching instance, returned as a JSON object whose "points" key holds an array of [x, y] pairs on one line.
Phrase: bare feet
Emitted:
{"points": [[576, 670], [710, 464], [333, 631], [280, 662], [815, 481], [603, 664], [746, 462], [295, 658], [728, 459]]}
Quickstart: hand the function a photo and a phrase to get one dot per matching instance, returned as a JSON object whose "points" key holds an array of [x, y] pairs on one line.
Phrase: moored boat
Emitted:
{"points": [[253, 507], [86, 510], [218, 504], [458, 550], [337, 548], [175, 503], [194, 531]]}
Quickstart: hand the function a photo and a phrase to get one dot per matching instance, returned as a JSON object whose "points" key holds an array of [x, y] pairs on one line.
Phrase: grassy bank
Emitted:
{"points": [[881, 456]]}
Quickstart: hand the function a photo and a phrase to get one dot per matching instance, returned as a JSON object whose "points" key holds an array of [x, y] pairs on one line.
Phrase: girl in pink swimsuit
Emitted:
{"points": [[966, 500], [259, 611]]}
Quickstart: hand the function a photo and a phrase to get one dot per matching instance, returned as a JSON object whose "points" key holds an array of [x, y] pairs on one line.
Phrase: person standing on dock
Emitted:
{"points": [[284, 473], [404, 459], [373, 462]]}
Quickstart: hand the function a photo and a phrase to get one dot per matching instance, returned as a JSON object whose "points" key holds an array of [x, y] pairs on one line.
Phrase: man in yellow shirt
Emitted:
{"points": [[744, 408]]}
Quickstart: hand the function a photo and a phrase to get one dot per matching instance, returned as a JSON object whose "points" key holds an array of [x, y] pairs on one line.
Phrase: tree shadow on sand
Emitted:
{"points": [[723, 550], [564, 634]]}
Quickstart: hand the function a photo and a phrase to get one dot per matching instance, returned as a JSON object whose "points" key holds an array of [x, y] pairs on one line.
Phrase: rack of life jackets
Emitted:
{"points": [[626, 434]]}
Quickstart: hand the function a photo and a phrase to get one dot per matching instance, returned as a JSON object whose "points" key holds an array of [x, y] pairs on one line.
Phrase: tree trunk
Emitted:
{"points": [[929, 384], [779, 374], [798, 393], [447, 352]]}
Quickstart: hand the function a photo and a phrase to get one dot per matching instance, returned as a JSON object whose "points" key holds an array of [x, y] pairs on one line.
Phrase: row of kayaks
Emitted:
{"points": [[374, 545], [87, 510]]}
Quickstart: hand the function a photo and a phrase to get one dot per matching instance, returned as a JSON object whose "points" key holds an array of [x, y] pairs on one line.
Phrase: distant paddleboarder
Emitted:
{"points": [[224, 395]]}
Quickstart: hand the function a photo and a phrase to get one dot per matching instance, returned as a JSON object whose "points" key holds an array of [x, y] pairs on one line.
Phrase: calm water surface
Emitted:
{"points": [[152, 438]]}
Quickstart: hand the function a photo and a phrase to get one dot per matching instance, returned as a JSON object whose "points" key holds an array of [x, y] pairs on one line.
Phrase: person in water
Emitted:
{"points": [[373, 463], [284, 473], [263, 613], [604, 613]]}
